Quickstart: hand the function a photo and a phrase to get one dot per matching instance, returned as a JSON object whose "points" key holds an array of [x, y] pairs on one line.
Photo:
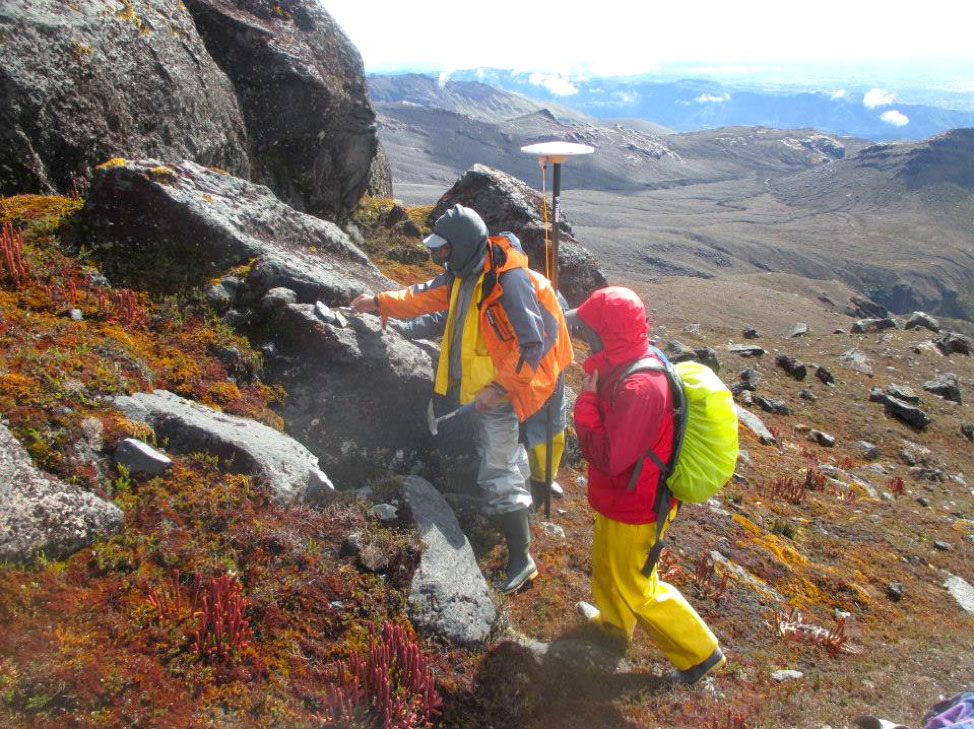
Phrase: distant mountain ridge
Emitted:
{"points": [[475, 99], [691, 104]]}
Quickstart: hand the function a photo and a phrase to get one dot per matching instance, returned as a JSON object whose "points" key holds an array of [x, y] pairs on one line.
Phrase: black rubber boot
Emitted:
{"points": [[520, 565], [695, 674]]}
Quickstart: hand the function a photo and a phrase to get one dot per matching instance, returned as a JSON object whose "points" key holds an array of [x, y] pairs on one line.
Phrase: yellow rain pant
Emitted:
{"points": [[539, 451], [625, 597]]}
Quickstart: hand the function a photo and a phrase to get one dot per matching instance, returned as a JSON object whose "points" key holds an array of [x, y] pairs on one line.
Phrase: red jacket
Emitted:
{"points": [[616, 426]]}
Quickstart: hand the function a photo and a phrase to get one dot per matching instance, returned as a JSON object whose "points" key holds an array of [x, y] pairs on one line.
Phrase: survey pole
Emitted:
{"points": [[555, 153]]}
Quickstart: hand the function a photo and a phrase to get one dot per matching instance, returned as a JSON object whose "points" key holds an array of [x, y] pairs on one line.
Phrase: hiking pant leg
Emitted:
{"points": [[625, 596], [503, 460], [536, 434]]}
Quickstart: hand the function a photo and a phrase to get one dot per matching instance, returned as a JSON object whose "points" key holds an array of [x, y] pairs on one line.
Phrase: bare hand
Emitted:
{"points": [[591, 382], [490, 398], [364, 304]]}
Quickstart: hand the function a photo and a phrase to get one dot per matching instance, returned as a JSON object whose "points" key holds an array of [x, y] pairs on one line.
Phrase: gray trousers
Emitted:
{"points": [[503, 467]]}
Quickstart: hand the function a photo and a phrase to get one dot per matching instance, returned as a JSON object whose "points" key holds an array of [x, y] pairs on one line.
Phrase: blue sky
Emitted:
{"points": [[573, 38]]}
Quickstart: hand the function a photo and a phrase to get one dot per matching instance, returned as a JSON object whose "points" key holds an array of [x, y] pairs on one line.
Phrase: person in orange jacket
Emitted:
{"points": [[619, 420], [504, 348]]}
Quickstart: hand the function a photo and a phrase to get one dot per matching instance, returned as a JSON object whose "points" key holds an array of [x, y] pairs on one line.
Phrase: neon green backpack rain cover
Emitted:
{"points": [[708, 452], [705, 442]]}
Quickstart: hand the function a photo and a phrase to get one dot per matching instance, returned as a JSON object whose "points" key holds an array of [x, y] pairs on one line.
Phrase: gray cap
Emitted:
{"points": [[434, 241]]}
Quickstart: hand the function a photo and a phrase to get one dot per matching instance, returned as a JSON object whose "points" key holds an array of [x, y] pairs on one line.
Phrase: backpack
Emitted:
{"points": [[705, 442]]}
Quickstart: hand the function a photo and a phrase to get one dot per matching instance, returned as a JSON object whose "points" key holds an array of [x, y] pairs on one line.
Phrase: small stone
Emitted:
{"points": [[894, 591], [942, 546], [218, 297], [384, 512], [792, 366], [806, 394], [799, 330], [76, 315], [824, 375], [692, 329], [553, 530], [967, 430], [139, 457], [923, 501], [822, 438], [750, 333], [869, 451], [277, 298], [786, 675]]}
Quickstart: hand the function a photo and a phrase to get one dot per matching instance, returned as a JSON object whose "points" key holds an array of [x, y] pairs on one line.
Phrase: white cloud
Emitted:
{"points": [[877, 97], [711, 99], [714, 70], [897, 119], [555, 83], [838, 94], [444, 77]]}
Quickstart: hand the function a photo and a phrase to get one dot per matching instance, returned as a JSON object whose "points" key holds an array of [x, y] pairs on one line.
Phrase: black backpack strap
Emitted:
{"points": [[664, 497]]}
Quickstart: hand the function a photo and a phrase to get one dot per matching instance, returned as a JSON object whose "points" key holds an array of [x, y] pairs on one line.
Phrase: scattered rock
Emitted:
{"points": [[856, 360], [139, 457], [942, 546], [289, 471], [745, 350], [799, 330], [692, 329], [946, 385], [76, 315], [824, 375], [772, 406], [923, 501], [40, 514], [909, 414], [553, 530], [870, 451], [750, 378], [806, 394], [954, 343], [448, 596], [904, 393], [838, 331], [786, 675], [962, 592], [754, 424], [967, 430], [873, 325], [822, 438], [792, 366], [750, 333], [894, 590], [708, 357], [920, 319], [678, 352]]}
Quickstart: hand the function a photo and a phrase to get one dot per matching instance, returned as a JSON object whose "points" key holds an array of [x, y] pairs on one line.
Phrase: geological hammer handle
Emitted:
{"points": [[459, 411]]}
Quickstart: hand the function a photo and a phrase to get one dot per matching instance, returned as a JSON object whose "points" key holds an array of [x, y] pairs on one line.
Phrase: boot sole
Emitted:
{"points": [[520, 584]]}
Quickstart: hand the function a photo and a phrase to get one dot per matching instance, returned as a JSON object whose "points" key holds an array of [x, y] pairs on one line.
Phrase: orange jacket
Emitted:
{"points": [[523, 329]]}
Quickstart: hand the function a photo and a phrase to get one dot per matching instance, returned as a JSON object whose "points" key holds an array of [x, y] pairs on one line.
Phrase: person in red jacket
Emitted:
{"points": [[617, 422]]}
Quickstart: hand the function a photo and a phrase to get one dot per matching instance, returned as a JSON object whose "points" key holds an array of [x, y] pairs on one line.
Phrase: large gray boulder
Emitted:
{"points": [[449, 597], [508, 204], [40, 514], [357, 395], [285, 467], [88, 80], [165, 227], [301, 86]]}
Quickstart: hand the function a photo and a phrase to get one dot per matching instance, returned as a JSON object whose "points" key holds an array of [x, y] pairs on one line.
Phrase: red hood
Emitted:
{"points": [[618, 316]]}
